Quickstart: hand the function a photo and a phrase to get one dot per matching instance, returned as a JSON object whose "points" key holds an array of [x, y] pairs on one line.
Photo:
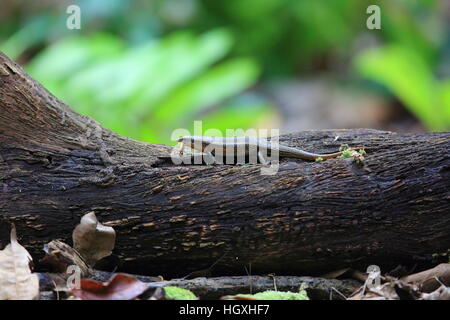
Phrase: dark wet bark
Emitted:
{"points": [[56, 165]]}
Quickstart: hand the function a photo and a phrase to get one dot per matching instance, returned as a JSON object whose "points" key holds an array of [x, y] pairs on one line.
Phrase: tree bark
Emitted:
{"points": [[56, 165]]}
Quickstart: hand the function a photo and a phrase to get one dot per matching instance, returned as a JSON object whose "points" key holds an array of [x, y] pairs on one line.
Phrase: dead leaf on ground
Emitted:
{"points": [[442, 293], [120, 287], [16, 280], [93, 240], [413, 287], [335, 274], [391, 290], [347, 272], [59, 256], [431, 279]]}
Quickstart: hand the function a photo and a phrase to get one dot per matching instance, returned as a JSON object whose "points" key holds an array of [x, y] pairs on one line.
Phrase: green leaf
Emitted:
{"points": [[444, 89], [217, 84], [270, 295], [174, 293], [68, 56], [147, 90], [408, 77], [33, 32], [243, 113], [119, 87], [182, 57]]}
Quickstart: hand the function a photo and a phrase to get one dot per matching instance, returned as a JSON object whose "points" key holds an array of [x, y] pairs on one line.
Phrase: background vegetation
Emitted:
{"points": [[144, 68]]}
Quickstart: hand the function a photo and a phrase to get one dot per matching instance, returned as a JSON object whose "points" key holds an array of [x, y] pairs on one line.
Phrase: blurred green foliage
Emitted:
{"points": [[145, 91], [144, 68], [408, 66], [407, 75]]}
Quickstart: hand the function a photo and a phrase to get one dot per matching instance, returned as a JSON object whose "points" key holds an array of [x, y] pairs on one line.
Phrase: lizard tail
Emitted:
{"points": [[313, 156], [336, 154]]}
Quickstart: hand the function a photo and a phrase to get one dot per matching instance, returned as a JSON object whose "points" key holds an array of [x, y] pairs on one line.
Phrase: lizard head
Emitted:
{"points": [[195, 142]]}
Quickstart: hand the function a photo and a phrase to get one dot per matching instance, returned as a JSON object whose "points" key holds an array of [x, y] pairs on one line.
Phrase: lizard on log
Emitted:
{"points": [[309, 218]]}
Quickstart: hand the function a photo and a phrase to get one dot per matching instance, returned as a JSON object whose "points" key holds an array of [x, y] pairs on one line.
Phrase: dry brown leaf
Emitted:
{"points": [[442, 293], [16, 280], [382, 292], [335, 274], [392, 289], [92, 239], [413, 287], [59, 256], [120, 287], [427, 280]]}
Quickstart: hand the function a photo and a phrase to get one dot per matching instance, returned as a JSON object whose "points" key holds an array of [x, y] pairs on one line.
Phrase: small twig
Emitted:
{"points": [[204, 271], [56, 289], [250, 276], [274, 281], [338, 292]]}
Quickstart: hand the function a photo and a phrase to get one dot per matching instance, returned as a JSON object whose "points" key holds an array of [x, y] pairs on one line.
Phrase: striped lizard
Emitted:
{"points": [[246, 146]]}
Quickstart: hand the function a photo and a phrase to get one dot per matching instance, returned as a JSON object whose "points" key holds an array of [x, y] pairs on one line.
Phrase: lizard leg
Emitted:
{"points": [[270, 166], [181, 148], [208, 157]]}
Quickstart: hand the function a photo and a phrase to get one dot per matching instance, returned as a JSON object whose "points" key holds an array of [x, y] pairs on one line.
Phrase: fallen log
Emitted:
{"points": [[215, 288], [309, 218]]}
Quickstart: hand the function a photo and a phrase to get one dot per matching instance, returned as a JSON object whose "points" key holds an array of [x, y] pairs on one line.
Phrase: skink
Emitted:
{"points": [[245, 146]]}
